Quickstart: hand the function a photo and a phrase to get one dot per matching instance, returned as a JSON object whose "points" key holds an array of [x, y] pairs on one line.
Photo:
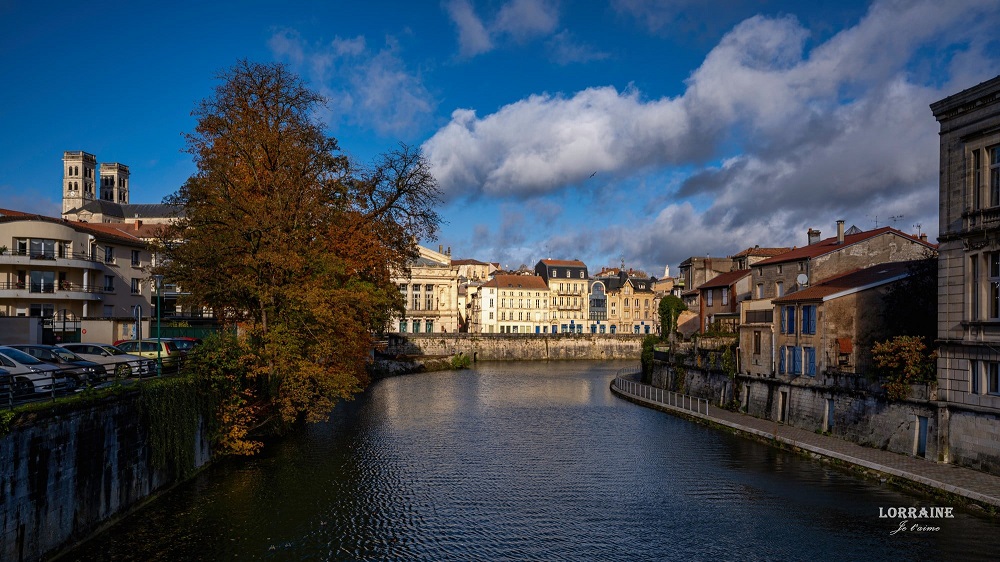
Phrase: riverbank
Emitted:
{"points": [[946, 481]]}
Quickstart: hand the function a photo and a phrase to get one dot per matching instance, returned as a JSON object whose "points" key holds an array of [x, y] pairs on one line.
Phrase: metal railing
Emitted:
{"points": [[18, 389], [661, 396]]}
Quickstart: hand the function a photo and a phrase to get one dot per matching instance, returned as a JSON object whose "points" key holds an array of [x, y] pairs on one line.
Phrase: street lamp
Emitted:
{"points": [[158, 280]]}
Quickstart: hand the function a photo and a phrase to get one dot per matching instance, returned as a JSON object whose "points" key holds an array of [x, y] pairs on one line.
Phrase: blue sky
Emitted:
{"points": [[643, 130]]}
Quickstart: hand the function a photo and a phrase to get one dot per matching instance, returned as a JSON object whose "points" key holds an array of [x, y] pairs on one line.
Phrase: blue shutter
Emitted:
{"points": [[812, 320], [805, 319], [796, 360], [781, 360], [811, 361]]}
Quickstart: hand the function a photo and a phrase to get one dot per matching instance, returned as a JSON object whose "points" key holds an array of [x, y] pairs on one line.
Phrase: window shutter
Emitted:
{"points": [[812, 320], [783, 329], [781, 360], [811, 361]]}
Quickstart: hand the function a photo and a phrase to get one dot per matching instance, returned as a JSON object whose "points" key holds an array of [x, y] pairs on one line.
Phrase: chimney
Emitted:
{"points": [[440, 249], [923, 237], [813, 236], [449, 250], [138, 225], [840, 232]]}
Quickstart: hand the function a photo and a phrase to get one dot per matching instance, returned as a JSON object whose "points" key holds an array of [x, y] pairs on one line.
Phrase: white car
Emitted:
{"points": [[121, 364], [32, 375]]}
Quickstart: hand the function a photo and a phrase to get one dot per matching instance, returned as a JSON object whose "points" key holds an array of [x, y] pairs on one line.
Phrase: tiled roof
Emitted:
{"points": [[564, 263], [531, 282], [854, 280], [117, 231], [759, 252], [725, 279], [467, 262], [828, 245]]}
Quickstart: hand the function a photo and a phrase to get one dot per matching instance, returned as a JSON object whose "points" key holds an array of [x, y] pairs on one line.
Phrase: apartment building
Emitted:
{"points": [[569, 298], [68, 271]]}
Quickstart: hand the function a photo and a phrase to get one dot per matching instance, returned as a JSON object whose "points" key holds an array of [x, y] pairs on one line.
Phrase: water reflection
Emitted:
{"points": [[525, 461]]}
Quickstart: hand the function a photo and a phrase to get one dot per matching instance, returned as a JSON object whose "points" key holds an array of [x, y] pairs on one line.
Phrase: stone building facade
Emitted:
{"points": [[969, 276], [430, 292], [514, 304]]}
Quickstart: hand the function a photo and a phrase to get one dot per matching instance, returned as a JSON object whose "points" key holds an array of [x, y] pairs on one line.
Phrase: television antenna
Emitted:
{"points": [[917, 226], [895, 218]]}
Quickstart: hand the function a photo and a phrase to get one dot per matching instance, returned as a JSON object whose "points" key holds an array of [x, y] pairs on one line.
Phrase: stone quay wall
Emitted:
{"points": [[857, 415], [64, 474], [520, 347]]}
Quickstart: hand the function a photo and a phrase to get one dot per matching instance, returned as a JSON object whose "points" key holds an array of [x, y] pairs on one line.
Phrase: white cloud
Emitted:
{"points": [[526, 19], [841, 130], [365, 87], [518, 21], [473, 38], [565, 50]]}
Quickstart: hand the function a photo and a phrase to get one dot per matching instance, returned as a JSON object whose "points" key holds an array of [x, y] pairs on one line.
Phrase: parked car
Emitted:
{"points": [[186, 344], [83, 371], [122, 364], [42, 377], [168, 353]]}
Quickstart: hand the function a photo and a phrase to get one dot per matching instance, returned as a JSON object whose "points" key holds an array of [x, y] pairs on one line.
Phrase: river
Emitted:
{"points": [[527, 461]]}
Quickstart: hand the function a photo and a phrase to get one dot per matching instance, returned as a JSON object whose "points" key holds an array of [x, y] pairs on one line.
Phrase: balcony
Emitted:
{"points": [[52, 258], [980, 220], [60, 290]]}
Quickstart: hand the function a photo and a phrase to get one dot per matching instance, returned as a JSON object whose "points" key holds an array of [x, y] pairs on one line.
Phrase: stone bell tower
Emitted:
{"points": [[78, 179], [114, 183]]}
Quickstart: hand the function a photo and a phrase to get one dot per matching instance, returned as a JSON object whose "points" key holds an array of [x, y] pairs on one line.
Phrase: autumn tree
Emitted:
{"points": [[285, 237]]}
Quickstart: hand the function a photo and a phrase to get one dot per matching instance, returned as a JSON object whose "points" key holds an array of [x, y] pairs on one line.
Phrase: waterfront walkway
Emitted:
{"points": [[978, 486]]}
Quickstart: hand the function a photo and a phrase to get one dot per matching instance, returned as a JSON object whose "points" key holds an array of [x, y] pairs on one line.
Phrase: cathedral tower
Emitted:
{"points": [[78, 179], [114, 183]]}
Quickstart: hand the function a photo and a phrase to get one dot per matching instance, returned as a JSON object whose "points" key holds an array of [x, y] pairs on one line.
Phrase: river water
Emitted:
{"points": [[527, 461]]}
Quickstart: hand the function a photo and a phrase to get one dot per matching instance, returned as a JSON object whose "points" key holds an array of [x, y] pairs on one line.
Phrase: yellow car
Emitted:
{"points": [[169, 353]]}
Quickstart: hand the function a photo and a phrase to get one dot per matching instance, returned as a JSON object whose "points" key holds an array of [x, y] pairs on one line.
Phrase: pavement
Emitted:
{"points": [[980, 487]]}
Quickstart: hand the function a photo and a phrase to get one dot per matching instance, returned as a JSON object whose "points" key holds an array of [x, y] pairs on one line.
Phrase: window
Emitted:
{"points": [[491, 316], [109, 254], [430, 297], [788, 320], [416, 301], [429, 326], [994, 176], [109, 283], [756, 342], [402, 326], [708, 297], [810, 353], [136, 262], [809, 319], [416, 326], [977, 179], [779, 270], [109, 311], [993, 259], [136, 286], [781, 360], [43, 310], [974, 377], [760, 290], [43, 282], [779, 289], [725, 297], [795, 360], [43, 249], [993, 377], [974, 292]]}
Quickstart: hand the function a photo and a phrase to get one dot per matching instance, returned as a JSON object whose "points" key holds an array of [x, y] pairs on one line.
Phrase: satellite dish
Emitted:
{"points": [[802, 279]]}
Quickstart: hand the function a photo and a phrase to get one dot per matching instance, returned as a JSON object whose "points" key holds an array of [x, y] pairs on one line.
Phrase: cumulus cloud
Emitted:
{"points": [[364, 87], [515, 21], [777, 136]]}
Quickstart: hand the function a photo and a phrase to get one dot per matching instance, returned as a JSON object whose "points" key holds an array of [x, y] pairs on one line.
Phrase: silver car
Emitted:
{"points": [[116, 361], [32, 375]]}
